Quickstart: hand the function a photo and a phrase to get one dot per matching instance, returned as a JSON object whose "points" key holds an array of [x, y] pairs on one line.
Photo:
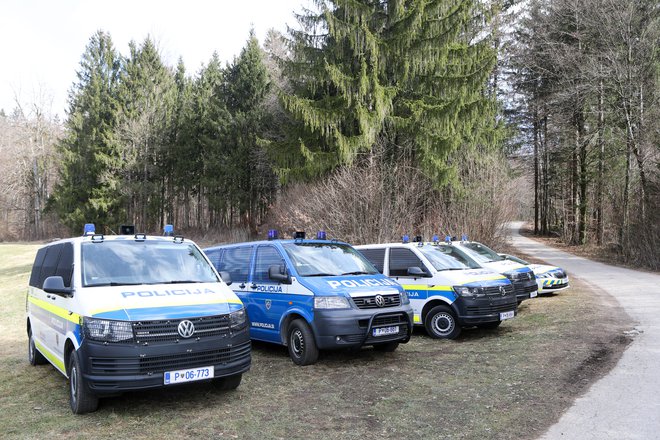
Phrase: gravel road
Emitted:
{"points": [[625, 404]]}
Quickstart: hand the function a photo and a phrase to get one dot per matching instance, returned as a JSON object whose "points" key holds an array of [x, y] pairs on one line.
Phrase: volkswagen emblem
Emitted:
{"points": [[502, 290], [268, 304], [379, 300], [186, 328]]}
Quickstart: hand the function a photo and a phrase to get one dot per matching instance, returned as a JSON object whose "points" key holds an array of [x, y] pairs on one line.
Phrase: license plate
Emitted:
{"points": [[190, 375], [507, 315], [384, 331], [534, 294]]}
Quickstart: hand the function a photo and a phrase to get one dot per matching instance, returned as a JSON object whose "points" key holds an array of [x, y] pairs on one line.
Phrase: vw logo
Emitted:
{"points": [[502, 290], [186, 328], [379, 300], [268, 304]]}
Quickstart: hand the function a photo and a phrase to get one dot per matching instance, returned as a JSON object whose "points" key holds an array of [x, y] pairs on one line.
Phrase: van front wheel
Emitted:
{"points": [[301, 344], [81, 399], [440, 323]]}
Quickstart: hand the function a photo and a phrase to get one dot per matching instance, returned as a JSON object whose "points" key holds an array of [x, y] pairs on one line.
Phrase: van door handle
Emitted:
{"points": [[242, 285], [253, 286]]}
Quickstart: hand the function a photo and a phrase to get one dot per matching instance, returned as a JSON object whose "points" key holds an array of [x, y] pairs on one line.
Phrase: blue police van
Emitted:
{"points": [[312, 295]]}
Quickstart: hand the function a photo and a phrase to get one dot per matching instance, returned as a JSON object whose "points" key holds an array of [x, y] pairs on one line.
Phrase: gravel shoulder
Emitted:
{"points": [[624, 404]]}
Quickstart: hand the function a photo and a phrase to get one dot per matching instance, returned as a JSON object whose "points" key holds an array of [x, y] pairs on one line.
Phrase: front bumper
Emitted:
{"points": [[115, 368], [525, 289], [354, 328], [548, 285], [484, 310]]}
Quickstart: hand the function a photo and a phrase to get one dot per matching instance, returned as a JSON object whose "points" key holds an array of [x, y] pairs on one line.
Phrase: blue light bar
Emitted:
{"points": [[448, 239], [272, 234], [464, 237], [89, 229], [435, 239], [168, 230], [405, 238], [321, 235]]}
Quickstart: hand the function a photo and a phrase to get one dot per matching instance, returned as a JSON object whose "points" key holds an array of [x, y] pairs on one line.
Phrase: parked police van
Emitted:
{"points": [[522, 277], [314, 294], [128, 312], [549, 279], [446, 288]]}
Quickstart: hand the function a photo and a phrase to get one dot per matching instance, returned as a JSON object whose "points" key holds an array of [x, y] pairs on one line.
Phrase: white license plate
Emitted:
{"points": [[190, 375], [534, 294], [507, 315], [384, 331]]}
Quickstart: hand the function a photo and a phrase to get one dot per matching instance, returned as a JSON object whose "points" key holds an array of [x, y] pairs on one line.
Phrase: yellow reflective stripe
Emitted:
{"points": [[55, 310], [50, 356], [426, 287], [442, 288], [180, 303], [485, 278]]}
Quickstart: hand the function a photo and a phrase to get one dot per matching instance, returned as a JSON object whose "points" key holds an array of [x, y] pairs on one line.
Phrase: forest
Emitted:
{"points": [[368, 119]]}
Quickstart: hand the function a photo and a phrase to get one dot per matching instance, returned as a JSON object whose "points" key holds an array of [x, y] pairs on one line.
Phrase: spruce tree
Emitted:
{"points": [[87, 192], [410, 76]]}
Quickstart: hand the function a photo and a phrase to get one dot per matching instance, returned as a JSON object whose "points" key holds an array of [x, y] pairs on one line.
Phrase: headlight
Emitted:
{"points": [[105, 330], [404, 298], [469, 292], [330, 302], [544, 275], [237, 319]]}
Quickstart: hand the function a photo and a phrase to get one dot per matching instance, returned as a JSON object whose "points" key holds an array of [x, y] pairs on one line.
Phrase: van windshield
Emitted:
{"points": [[481, 253], [448, 258], [130, 262], [327, 259]]}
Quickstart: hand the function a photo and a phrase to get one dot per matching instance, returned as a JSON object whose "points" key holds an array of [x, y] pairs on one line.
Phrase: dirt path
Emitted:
{"points": [[625, 404]]}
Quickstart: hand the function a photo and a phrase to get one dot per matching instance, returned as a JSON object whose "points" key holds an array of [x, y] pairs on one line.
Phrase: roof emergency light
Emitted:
{"points": [[435, 239], [464, 237], [89, 229], [321, 235], [127, 230], [417, 239], [299, 235], [272, 234], [168, 230], [405, 238], [448, 239]]}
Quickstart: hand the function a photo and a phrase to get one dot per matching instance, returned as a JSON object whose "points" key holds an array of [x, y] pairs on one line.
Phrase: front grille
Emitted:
{"points": [[495, 290], [369, 302], [488, 309], [159, 364], [165, 331], [399, 319], [388, 320]]}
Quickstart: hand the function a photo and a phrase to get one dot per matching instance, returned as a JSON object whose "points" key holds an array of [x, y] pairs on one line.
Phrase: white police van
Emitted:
{"points": [[446, 288], [314, 294], [522, 277], [129, 312], [549, 279]]}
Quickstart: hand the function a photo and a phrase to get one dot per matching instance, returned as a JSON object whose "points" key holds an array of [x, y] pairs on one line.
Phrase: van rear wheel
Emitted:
{"points": [[301, 344], [80, 398], [34, 356], [440, 323]]}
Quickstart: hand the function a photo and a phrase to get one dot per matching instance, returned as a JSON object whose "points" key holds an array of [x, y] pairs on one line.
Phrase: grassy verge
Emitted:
{"points": [[512, 382]]}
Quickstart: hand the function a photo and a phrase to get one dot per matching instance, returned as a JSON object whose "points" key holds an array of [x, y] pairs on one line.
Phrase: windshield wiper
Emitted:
{"points": [[357, 272], [179, 282], [113, 283], [321, 274], [454, 268]]}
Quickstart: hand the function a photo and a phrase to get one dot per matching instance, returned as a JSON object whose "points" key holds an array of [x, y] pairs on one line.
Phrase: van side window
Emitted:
{"points": [[375, 257], [215, 255], [50, 263], [401, 259], [35, 279], [236, 261], [266, 257], [65, 263]]}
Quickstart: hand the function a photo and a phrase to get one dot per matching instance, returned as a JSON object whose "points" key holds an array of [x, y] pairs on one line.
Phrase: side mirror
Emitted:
{"points": [[225, 277], [415, 271], [55, 284], [277, 272]]}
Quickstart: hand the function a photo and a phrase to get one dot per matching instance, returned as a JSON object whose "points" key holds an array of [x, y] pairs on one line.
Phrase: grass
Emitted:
{"points": [[509, 383]]}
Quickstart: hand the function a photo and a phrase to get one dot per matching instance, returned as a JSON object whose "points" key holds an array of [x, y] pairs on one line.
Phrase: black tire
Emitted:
{"points": [[490, 325], [34, 356], [81, 398], [228, 383], [387, 347], [440, 323], [301, 344]]}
